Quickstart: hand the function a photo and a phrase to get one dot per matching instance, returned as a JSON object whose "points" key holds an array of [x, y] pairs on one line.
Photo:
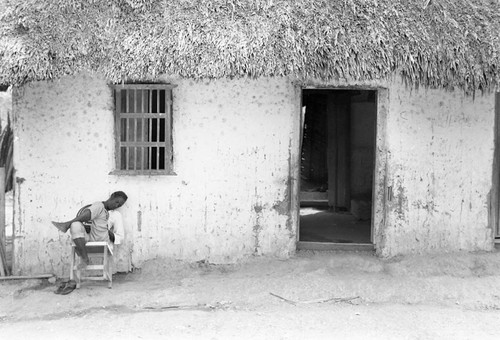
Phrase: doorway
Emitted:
{"points": [[337, 165]]}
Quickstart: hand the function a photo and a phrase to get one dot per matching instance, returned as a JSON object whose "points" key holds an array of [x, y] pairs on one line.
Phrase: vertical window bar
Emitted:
{"points": [[127, 101], [135, 100], [142, 111], [143, 138], [135, 158], [126, 157], [134, 130], [158, 129], [150, 129], [149, 158]]}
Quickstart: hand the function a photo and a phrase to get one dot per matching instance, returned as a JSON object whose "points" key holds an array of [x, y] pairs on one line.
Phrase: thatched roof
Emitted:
{"points": [[437, 43]]}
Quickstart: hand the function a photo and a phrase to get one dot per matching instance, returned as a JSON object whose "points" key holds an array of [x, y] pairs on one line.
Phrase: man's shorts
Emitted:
{"points": [[77, 230]]}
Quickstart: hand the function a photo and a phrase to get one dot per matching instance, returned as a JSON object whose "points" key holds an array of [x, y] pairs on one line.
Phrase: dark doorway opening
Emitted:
{"points": [[337, 165]]}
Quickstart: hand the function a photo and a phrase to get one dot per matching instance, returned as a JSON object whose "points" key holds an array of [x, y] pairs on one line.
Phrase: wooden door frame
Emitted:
{"points": [[380, 191], [494, 210]]}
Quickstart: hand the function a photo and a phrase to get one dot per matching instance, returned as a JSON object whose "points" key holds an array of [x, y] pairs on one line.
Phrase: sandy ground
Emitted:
{"points": [[453, 296]]}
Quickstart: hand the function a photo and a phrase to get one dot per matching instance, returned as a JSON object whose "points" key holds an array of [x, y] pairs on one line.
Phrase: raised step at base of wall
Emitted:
{"points": [[301, 245]]}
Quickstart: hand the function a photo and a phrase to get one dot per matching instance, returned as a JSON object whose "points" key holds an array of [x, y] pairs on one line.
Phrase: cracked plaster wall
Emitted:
{"points": [[232, 159], [236, 163], [440, 148]]}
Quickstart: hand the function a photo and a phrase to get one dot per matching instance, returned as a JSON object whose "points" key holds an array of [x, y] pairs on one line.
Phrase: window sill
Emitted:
{"points": [[142, 173]]}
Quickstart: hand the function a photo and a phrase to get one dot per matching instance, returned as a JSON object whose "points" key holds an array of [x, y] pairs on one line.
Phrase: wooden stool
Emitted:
{"points": [[95, 250]]}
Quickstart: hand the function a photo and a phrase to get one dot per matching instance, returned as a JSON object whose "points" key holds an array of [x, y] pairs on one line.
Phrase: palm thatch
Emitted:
{"points": [[436, 43]]}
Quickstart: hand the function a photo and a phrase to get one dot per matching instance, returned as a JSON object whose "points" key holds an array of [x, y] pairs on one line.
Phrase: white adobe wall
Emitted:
{"points": [[435, 153], [231, 195], [236, 159], [440, 158]]}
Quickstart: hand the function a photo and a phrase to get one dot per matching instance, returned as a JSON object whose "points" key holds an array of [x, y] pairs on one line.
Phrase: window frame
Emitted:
{"points": [[168, 115]]}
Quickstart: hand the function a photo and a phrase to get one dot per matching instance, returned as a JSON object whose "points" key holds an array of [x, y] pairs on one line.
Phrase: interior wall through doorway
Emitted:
{"points": [[337, 164]]}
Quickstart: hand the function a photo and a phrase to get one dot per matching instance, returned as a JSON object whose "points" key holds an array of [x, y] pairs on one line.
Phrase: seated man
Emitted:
{"points": [[97, 214]]}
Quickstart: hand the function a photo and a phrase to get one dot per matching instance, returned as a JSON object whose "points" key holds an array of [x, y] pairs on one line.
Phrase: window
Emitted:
{"points": [[143, 125]]}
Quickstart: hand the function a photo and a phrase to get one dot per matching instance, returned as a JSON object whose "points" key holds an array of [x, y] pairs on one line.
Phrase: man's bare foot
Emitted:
{"points": [[63, 227]]}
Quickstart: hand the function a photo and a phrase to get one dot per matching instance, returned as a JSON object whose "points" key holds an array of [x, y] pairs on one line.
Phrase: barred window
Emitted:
{"points": [[143, 125]]}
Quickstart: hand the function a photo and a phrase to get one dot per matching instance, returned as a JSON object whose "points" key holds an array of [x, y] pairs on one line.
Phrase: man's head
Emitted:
{"points": [[116, 200]]}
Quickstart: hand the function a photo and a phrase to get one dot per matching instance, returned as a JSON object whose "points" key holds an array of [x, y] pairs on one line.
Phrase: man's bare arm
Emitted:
{"points": [[85, 216]]}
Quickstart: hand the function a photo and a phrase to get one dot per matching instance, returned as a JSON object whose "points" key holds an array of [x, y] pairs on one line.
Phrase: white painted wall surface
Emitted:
{"points": [[236, 156], [230, 197], [440, 160]]}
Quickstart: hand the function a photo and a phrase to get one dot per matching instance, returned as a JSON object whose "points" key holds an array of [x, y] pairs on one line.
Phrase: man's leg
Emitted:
{"points": [[81, 250], [62, 226], [78, 234]]}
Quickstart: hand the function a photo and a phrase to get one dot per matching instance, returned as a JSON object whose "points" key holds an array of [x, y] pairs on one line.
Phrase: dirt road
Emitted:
{"points": [[311, 296]]}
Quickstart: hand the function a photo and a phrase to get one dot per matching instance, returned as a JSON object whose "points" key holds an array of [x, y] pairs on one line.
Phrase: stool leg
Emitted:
{"points": [[105, 271], [110, 271], [104, 263], [78, 274]]}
